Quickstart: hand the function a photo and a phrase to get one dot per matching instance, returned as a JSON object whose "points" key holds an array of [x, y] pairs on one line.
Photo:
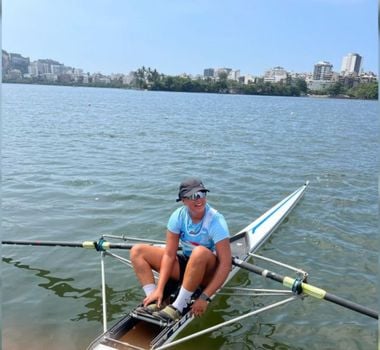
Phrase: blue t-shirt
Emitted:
{"points": [[209, 231]]}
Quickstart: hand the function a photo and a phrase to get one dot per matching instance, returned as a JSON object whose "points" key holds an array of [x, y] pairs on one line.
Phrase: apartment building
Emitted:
{"points": [[351, 64]]}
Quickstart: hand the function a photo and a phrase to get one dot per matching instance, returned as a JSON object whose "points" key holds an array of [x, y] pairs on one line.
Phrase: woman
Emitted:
{"points": [[205, 260]]}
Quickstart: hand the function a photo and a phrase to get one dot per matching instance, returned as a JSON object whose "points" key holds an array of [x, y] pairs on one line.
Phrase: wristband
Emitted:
{"points": [[205, 297]]}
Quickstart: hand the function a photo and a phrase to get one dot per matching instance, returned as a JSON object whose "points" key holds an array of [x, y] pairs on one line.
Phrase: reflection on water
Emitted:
{"points": [[117, 300]]}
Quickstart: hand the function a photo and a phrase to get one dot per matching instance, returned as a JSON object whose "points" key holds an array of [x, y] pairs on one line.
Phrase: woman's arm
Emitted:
{"points": [[166, 267], [223, 253]]}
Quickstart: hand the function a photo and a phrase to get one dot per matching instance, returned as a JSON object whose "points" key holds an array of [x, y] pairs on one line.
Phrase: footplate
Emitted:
{"points": [[145, 316]]}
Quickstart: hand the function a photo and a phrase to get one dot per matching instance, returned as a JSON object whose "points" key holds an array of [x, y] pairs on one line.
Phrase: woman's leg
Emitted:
{"points": [[146, 258]]}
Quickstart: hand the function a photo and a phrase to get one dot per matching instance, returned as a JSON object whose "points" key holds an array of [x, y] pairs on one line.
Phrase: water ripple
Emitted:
{"points": [[78, 163]]}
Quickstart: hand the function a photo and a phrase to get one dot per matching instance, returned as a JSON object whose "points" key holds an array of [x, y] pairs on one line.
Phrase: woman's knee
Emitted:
{"points": [[201, 253], [142, 254], [137, 251]]}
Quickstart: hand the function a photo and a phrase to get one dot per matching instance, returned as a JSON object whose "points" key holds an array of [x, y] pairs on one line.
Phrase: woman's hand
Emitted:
{"points": [[199, 307], [155, 296]]}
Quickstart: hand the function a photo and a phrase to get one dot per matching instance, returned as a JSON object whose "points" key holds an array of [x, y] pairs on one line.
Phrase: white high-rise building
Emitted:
{"points": [[322, 71], [275, 75], [351, 64]]}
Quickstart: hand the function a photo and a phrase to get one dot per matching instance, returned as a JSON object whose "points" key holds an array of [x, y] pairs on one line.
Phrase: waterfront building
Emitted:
{"points": [[247, 79], [275, 75], [19, 62], [57, 69], [322, 71], [5, 62], [234, 75], [368, 77], [322, 76], [33, 69], [14, 74], [209, 73], [351, 64], [318, 85], [222, 71]]}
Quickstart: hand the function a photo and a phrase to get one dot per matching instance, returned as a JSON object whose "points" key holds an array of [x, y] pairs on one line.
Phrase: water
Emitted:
{"points": [[80, 162]]}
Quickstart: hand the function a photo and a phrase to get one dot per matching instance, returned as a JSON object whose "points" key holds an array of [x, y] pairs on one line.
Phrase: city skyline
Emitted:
{"points": [[187, 38], [310, 73]]}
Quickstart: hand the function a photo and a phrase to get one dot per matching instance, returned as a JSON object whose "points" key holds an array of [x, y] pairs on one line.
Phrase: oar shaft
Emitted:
{"points": [[306, 288], [351, 305], [46, 243], [85, 244]]}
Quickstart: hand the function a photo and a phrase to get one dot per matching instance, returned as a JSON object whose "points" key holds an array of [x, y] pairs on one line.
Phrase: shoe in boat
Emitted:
{"points": [[168, 313], [149, 309]]}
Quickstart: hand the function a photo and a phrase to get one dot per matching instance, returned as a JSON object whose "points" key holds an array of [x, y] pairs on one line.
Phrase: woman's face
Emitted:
{"points": [[196, 204]]}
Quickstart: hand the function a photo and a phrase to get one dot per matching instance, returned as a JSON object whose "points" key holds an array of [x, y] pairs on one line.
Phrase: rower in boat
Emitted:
{"points": [[136, 331], [204, 262]]}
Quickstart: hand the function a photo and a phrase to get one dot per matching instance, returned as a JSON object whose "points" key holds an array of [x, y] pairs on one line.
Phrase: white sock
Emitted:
{"points": [[184, 298], [149, 288]]}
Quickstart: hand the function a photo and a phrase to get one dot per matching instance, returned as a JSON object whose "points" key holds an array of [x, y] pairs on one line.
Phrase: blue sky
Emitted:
{"points": [[178, 36]]}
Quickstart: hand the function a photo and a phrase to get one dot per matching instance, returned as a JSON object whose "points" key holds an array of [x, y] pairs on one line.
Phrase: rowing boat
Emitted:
{"points": [[134, 331]]}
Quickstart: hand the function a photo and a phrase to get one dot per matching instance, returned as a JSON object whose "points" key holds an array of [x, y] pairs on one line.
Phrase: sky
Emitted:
{"points": [[187, 36]]}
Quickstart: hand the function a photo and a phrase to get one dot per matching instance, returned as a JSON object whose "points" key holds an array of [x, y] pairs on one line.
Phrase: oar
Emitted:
{"points": [[98, 245], [302, 287]]}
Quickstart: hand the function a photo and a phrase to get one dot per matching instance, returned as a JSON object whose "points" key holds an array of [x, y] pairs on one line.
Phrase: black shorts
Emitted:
{"points": [[182, 260]]}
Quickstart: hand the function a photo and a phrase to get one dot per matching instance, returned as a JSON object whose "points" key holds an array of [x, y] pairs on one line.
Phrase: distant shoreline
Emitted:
{"points": [[346, 97]]}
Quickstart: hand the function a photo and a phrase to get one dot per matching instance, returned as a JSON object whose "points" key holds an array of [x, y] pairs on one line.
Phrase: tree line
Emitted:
{"points": [[148, 79], [364, 91]]}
